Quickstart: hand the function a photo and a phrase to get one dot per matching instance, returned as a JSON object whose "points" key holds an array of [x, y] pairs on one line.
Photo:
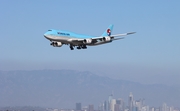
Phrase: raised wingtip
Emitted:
{"points": [[131, 33]]}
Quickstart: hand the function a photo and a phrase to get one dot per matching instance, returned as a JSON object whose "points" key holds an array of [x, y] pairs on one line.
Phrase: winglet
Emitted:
{"points": [[131, 33]]}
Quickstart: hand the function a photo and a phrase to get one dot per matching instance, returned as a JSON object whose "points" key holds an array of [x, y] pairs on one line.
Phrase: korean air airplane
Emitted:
{"points": [[60, 37]]}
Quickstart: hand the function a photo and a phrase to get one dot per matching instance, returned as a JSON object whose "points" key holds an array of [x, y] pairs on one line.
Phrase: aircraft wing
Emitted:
{"points": [[116, 36], [96, 39]]}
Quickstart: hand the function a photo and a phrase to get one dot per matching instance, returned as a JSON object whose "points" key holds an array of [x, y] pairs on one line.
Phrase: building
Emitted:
{"points": [[113, 102], [117, 107], [91, 108], [105, 106], [130, 102], [121, 104], [109, 102], [78, 106]]}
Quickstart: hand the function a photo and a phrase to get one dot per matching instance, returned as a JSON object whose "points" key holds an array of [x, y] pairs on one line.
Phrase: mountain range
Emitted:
{"points": [[64, 88]]}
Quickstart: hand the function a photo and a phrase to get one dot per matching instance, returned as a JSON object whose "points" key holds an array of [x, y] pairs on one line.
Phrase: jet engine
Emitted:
{"points": [[87, 41], [56, 44], [107, 39]]}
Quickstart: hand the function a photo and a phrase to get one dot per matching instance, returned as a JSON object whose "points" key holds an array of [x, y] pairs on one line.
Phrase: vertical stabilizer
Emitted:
{"points": [[108, 31]]}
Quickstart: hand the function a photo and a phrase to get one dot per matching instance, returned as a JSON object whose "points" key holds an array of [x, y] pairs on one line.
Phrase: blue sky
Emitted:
{"points": [[154, 49]]}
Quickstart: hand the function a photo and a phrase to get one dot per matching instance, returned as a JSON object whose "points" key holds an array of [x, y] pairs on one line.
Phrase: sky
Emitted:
{"points": [[153, 50]]}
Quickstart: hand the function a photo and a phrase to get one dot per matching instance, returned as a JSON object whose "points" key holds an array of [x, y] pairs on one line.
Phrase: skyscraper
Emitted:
{"points": [[113, 102], [105, 106], [91, 107], [164, 107], [78, 106], [109, 102], [138, 104], [130, 102], [117, 107], [121, 104]]}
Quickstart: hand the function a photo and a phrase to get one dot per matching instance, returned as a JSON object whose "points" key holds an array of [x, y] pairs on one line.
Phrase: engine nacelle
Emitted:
{"points": [[59, 44], [56, 44], [107, 39], [87, 41]]}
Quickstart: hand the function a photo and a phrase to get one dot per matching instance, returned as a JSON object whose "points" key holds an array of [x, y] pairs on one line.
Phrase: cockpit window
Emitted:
{"points": [[49, 30]]}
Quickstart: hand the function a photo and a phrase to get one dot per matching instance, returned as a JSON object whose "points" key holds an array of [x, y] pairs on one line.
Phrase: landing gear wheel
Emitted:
{"points": [[71, 47], [84, 47], [79, 47]]}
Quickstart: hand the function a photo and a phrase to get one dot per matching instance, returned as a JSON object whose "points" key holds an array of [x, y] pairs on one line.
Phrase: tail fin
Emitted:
{"points": [[108, 31]]}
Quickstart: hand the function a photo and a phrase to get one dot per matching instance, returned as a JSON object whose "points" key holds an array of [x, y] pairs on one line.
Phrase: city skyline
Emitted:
{"points": [[133, 105]]}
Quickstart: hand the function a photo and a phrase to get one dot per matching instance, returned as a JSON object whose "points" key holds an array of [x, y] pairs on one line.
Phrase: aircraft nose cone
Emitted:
{"points": [[45, 35]]}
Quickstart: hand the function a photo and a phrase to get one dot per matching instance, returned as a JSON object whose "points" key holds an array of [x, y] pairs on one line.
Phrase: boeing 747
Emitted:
{"points": [[60, 37]]}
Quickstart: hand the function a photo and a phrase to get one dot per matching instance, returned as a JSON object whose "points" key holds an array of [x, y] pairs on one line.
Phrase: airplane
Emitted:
{"points": [[60, 37]]}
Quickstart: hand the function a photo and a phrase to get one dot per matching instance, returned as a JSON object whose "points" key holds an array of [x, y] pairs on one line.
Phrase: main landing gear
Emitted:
{"points": [[71, 47], [78, 47]]}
